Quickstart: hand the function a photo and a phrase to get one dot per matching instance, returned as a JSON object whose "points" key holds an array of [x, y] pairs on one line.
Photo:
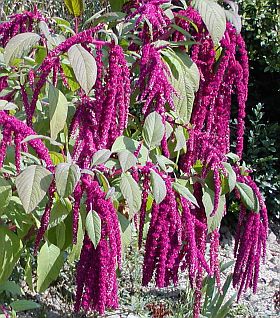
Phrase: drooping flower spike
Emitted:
{"points": [[19, 23], [96, 271]]}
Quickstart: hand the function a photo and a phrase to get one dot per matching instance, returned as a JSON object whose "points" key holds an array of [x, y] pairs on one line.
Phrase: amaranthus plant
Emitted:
{"points": [[126, 120]]}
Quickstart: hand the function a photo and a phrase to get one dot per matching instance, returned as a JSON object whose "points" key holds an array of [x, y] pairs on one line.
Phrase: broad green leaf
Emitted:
{"points": [[84, 66], [19, 45], [153, 130], [185, 192], [213, 222], [181, 62], [213, 15], [184, 102], [23, 304], [162, 161], [58, 109], [131, 192], [67, 176], [127, 160], [5, 105], [10, 250], [93, 227], [60, 231], [32, 137], [184, 77], [126, 233], [70, 77], [32, 185], [11, 287], [248, 197], [100, 157], [180, 138], [76, 250], [56, 157], [231, 178], [125, 143], [59, 212], [158, 187], [28, 272], [116, 5], [233, 16], [75, 7], [103, 181], [233, 157], [5, 193], [49, 263]]}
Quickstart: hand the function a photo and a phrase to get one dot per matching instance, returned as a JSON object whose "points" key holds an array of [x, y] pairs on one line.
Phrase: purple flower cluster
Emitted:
{"points": [[12, 126], [100, 120], [151, 11], [96, 271], [250, 242], [19, 23], [164, 240], [156, 92]]}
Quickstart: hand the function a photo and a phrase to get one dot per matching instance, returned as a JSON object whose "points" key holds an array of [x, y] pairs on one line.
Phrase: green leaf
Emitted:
{"points": [[184, 77], [76, 250], [19, 45], [10, 250], [153, 130], [126, 233], [231, 178], [100, 157], [84, 66], [56, 157], [213, 222], [213, 15], [5, 193], [162, 161], [70, 77], [50, 262], [22, 305], [180, 138], [32, 137], [185, 192], [181, 62], [28, 272], [125, 143], [248, 197], [58, 109], [67, 175], [116, 5], [93, 227], [233, 157], [5, 105], [75, 7], [59, 212], [131, 192], [158, 187], [32, 185], [127, 160], [11, 287]]}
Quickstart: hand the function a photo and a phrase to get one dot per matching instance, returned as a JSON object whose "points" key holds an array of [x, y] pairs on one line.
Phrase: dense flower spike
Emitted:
{"points": [[164, 240], [96, 275], [151, 11], [153, 82], [99, 121], [19, 23], [250, 243], [11, 125]]}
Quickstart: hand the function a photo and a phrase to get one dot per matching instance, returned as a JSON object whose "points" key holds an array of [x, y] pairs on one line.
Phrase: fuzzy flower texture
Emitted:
{"points": [[178, 234]]}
